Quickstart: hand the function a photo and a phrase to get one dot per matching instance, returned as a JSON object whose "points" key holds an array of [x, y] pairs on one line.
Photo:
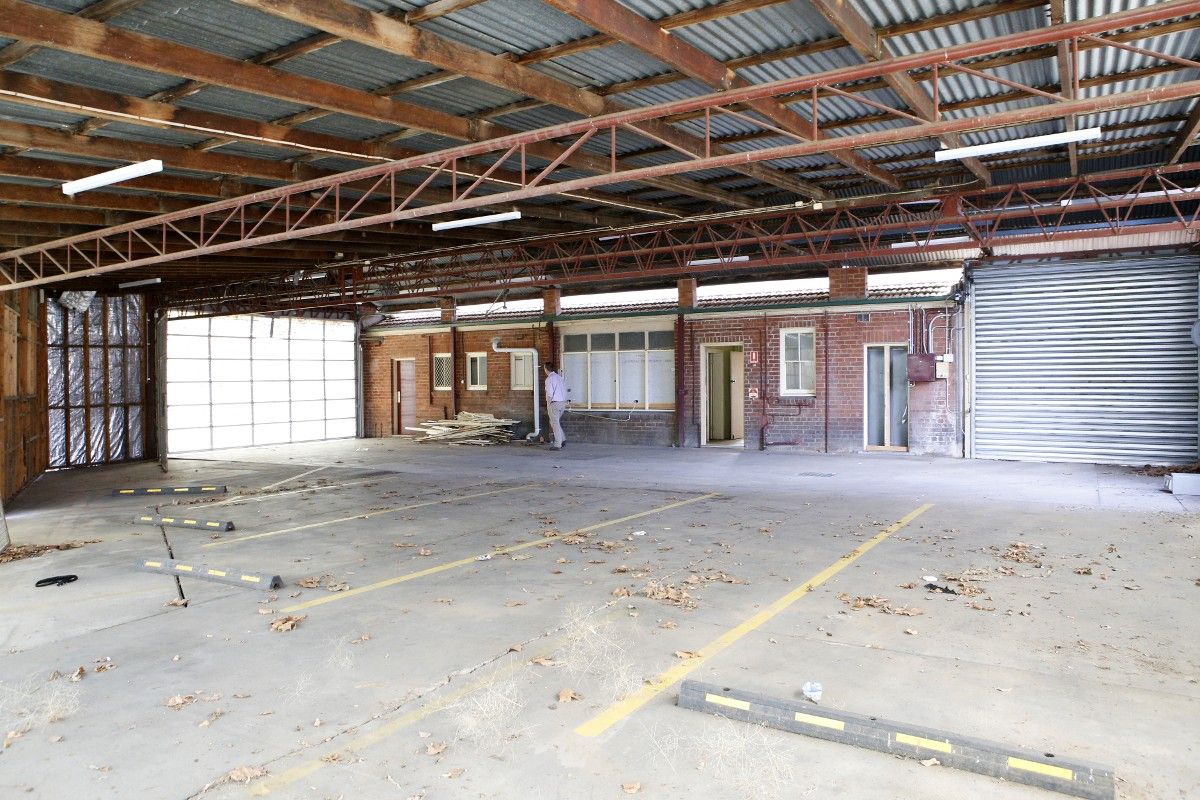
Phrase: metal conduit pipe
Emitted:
{"points": [[537, 417]]}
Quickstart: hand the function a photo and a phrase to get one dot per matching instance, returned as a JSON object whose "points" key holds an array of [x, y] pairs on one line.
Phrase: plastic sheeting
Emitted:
{"points": [[96, 372]]}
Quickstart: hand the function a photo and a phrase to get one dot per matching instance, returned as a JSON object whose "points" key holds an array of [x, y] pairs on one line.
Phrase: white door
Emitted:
{"points": [[737, 395]]}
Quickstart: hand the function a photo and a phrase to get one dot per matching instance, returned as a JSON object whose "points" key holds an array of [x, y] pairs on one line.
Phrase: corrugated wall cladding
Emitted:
{"points": [[1086, 361], [23, 423]]}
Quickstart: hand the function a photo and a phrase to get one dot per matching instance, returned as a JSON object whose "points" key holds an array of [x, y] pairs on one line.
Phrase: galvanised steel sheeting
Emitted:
{"points": [[1085, 361]]}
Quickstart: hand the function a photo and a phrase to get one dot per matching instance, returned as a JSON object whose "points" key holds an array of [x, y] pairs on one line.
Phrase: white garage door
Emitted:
{"points": [[238, 381], [1080, 361]]}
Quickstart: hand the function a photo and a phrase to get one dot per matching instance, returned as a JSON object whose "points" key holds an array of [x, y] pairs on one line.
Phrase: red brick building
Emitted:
{"points": [[839, 370]]}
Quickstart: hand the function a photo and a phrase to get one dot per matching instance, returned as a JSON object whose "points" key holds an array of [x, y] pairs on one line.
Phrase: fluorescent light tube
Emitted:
{"points": [[703, 262], [943, 240], [1028, 143], [72, 188], [487, 219], [144, 282]]}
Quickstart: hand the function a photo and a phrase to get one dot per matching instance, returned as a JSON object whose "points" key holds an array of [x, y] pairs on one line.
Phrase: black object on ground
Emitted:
{"points": [[57, 580]]}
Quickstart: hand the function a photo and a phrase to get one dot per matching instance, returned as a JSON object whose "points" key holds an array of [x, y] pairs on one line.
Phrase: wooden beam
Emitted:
{"points": [[1186, 136], [438, 8], [101, 11], [85, 37], [857, 30], [631, 28], [391, 35], [1066, 77]]}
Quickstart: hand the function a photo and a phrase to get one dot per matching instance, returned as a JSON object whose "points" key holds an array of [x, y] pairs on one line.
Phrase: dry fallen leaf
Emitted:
{"points": [[424, 551], [211, 718], [516, 648], [631, 788], [686, 654], [1083, 570], [266, 612], [287, 623], [179, 701], [245, 774], [403, 544], [436, 749], [178, 601], [366, 637], [621, 591], [446, 600], [931, 762], [568, 695], [454, 773], [910, 631], [78, 674], [543, 661], [668, 624], [12, 737], [310, 582], [337, 587], [514, 603]]}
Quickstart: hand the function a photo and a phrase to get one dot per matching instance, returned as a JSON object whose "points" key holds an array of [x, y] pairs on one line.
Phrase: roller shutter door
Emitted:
{"points": [[1085, 361]]}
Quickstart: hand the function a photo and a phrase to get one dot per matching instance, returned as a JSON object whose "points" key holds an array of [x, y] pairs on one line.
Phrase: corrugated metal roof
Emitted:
{"points": [[66, 6], [348, 127], [93, 73], [217, 26], [461, 97], [604, 66], [239, 104], [758, 31], [356, 65], [143, 133], [252, 150], [32, 115], [499, 26]]}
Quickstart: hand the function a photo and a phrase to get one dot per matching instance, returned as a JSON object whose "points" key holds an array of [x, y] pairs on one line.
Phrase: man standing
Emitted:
{"points": [[556, 403]]}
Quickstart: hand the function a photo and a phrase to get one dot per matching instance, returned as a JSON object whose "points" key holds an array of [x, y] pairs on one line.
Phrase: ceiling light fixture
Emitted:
{"points": [[486, 219], [929, 242], [1012, 145], [144, 282], [704, 262], [72, 188]]}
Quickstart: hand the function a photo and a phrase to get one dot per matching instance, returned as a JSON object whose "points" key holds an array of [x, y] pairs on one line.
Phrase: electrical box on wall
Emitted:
{"points": [[921, 367], [943, 370]]}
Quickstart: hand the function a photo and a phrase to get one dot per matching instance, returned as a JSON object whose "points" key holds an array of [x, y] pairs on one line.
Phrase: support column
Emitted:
{"points": [[551, 302], [449, 309], [687, 292], [847, 283]]}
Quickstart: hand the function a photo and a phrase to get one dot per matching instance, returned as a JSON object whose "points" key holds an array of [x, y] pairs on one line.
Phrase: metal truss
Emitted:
{"points": [[292, 212], [862, 230]]}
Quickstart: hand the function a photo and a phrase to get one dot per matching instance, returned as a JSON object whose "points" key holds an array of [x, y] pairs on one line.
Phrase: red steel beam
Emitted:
{"points": [[68, 258], [1047, 211]]}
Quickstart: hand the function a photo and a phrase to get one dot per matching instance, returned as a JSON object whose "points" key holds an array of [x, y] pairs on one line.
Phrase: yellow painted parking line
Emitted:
{"points": [[722, 700], [1040, 768], [473, 559], [920, 741], [443, 501], [623, 708], [365, 740]]}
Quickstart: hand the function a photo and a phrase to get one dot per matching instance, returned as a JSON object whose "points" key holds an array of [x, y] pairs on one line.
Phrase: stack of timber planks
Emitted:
{"points": [[467, 428]]}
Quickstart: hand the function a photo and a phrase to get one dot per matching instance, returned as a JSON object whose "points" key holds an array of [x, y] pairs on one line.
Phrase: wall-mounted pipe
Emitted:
{"points": [[537, 416]]}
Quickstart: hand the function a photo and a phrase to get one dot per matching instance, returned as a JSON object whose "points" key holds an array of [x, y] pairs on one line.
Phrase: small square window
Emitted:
{"points": [[443, 373], [575, 343], [477, 370], [662, 340], [797, 360], [632, 341]]}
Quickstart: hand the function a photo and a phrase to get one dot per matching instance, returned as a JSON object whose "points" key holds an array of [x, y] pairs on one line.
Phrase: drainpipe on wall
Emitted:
{"points": [[680, 386], [537, 417], [825, 337], [762, 385], [360, 411], [453, 372]]}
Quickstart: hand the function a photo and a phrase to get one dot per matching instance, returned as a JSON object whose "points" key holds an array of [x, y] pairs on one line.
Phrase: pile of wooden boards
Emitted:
{"points": [[467, 428]]}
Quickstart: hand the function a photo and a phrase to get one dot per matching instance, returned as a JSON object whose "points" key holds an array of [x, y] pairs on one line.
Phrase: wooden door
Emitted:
{"points": [[406, 394]]}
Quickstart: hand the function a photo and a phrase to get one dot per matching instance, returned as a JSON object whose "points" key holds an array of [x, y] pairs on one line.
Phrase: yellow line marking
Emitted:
{"points": [[462, 562], [149, 491], [146, 519], [623, 708], [218, 573], [153, 563], [189, 522], [721, 700], [365, 740], [919, 741], [168, 519], [1040, 768], [125, 491], [183, 568], [823, 722], [251, 578], [213, 524], [443, 501], [208, 488], [181, 489]]}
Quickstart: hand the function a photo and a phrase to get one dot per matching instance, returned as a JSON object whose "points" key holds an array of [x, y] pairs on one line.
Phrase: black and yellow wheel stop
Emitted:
{"points": [[169, 490], [183, 522], [249, 579]]}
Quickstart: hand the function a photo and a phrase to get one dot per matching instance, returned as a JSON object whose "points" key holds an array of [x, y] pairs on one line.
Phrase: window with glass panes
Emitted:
{"points": [[797, 362], [620, 369]]}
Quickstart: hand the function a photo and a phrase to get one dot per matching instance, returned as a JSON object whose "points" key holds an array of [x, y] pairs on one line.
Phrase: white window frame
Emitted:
{"points": [[448, 387], [585, 404], [477, 387], [784, 391], [512, 369]]}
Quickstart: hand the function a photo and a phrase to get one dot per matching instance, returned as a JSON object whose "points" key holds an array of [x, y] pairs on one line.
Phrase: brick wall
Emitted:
{"points": [[499, 399], [832, 419]]}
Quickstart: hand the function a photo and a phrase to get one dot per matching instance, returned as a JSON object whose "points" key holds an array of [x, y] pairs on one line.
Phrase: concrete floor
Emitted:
{"points": [[352, 702]]}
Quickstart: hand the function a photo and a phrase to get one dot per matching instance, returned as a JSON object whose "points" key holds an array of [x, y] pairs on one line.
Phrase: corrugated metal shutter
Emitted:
{"points": [[1086, 361]]}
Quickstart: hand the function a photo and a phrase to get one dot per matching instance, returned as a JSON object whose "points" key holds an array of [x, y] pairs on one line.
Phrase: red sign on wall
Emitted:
{"points": [[753, 393], [753, 356]]}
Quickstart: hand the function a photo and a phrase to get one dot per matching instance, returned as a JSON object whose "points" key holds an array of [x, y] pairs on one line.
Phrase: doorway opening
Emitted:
{"points": [[886, 397], [404, 386], [722, 374]]}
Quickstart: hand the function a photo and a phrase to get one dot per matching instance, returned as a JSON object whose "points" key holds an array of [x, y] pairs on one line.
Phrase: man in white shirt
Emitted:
{"points": [[556, 403]]}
